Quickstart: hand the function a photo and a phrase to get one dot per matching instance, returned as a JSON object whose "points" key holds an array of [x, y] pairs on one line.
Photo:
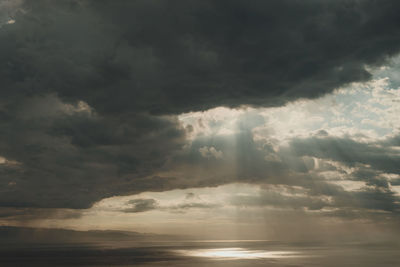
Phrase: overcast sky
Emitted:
{"points": [[217, 119]]}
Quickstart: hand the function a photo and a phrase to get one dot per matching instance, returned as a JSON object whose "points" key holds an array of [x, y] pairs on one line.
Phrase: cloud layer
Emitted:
{"points": [[91, 90], [173, 57]]}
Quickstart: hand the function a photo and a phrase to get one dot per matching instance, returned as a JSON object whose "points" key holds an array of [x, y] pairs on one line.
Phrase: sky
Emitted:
{"points": [[211, 119]]}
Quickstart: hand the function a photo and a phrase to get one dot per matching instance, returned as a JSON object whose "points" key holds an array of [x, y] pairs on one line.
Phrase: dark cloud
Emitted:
{"points": [[190, 195], [190, 205], [395, 182], [147, 204], [87, 86], [171, 57], [371, 163], [141, 205], [350, 152], [71, 160], [330, 198]]}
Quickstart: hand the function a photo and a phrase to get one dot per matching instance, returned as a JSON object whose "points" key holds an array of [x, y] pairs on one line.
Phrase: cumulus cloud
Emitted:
{"points": [[209, 152]]}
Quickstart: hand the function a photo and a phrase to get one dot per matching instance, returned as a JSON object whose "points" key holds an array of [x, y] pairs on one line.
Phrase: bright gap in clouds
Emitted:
{"points": [[365, 111]]}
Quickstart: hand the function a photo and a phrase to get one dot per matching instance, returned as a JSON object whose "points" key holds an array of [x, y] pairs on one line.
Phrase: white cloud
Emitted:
{"points": [[210, 152]]}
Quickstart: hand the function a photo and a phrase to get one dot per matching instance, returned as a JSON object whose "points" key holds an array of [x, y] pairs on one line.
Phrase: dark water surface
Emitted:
{"points": [[206, 253]]}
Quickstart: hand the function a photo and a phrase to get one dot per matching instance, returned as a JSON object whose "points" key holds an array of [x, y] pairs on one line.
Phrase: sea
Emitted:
{"points": [[208, 253]]}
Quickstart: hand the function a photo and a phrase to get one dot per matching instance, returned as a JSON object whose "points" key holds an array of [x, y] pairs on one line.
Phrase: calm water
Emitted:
{"points": [[221, 253]]}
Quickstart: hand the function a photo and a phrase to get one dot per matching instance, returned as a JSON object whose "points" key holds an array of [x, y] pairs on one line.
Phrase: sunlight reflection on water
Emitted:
{"points": [[238, 254]]}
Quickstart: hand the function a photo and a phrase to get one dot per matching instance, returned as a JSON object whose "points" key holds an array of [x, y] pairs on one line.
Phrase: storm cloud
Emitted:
{"points": [[175, 56], [91, 90]]}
